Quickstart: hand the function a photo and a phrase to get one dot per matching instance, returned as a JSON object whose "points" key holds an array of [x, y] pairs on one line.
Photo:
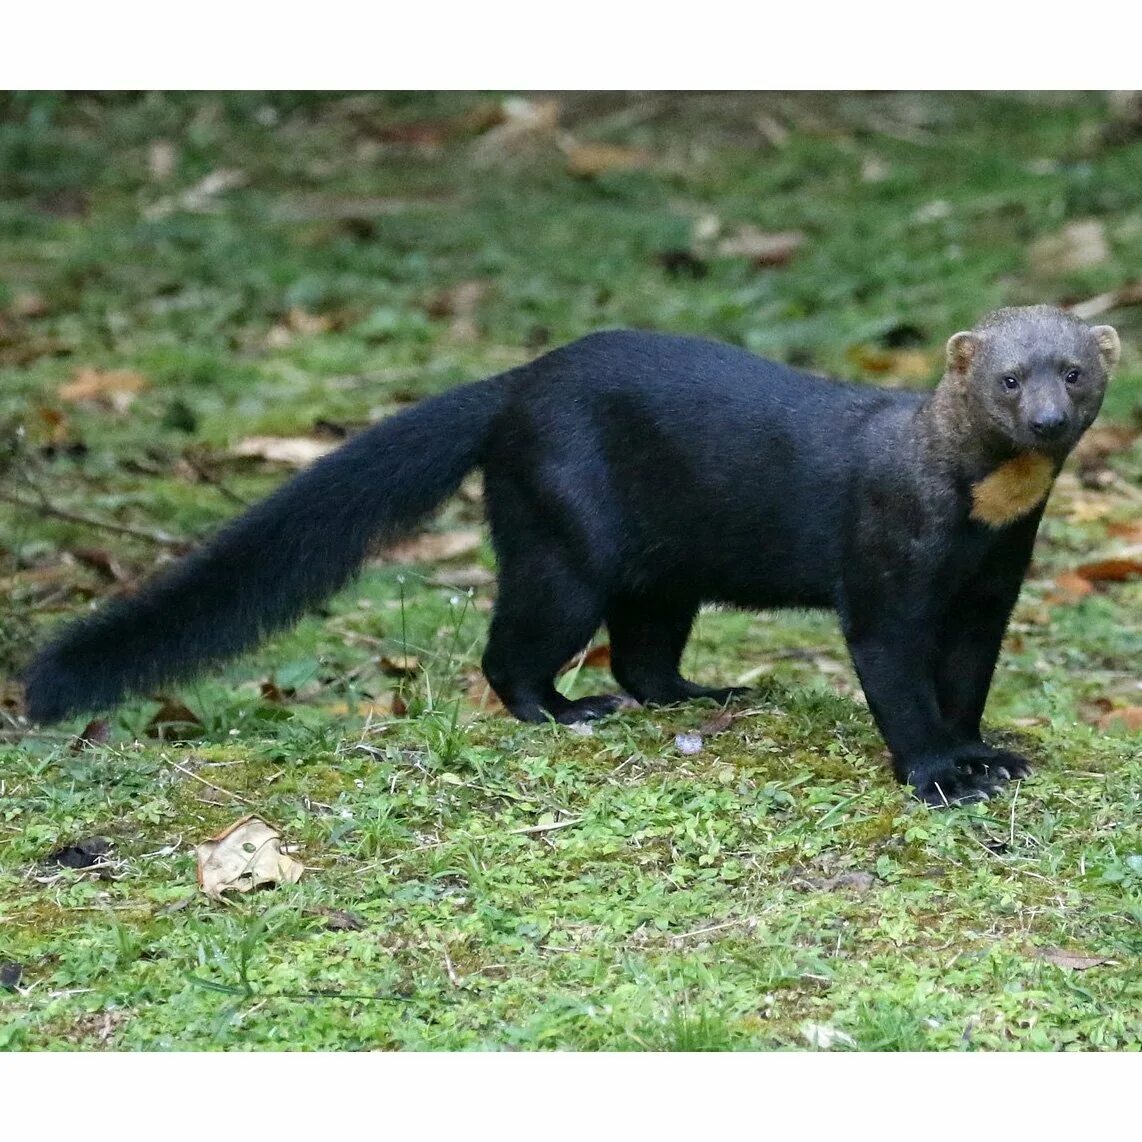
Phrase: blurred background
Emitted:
{"points": [[199, 291]]}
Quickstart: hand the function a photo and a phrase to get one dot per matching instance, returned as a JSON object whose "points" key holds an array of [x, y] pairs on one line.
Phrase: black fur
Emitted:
{"points": [[260, 573], [630, 477]]}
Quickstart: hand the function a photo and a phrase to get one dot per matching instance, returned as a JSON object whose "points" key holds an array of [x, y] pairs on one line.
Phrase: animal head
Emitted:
{"points": [[1032, 377]]}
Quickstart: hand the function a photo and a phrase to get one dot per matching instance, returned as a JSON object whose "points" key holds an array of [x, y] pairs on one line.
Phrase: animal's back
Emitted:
{"points": [[689, 466]]}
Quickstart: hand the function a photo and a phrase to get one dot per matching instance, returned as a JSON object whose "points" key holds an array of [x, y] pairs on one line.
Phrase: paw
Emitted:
{"points": [[593, 707], [968, 773]]}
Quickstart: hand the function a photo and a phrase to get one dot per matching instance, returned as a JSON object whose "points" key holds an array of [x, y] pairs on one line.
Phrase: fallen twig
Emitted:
{"points": [[546, 828], [47, 508], [210, 784]]}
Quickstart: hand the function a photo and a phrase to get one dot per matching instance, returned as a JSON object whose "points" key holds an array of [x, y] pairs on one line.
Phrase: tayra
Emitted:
{"points": [[630, 477]]}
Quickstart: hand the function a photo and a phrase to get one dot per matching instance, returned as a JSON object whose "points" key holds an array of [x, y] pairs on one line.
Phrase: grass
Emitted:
{"points": [[519, 887]]}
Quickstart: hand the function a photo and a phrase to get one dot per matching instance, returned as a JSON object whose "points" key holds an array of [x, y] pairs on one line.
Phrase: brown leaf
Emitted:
{"points": [[101, 560], [1092, 710], [433, 546], [1128, 717], [481, 695], [1076, 961], [589, 160], [296, 451], [599, 656], [339, 920], [1071, 587], [1110, 570], [907, 364], [273, 693], [173, 722], [113, 388], [1130, 531], [246, 855], [400, 665], [761, 248], [719, 723], [96, 732]]}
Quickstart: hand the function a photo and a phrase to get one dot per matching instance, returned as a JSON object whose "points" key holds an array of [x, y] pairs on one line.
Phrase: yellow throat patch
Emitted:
{"points": [[1012, 490]]}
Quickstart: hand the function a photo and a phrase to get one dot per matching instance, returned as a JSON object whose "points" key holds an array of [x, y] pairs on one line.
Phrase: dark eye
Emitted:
{"points": [[1072, 376], [1010, 383]]}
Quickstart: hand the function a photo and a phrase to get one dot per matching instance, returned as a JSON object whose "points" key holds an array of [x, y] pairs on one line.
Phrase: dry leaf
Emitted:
{"points": [[524, 122], [1130, 531], [400, 665], [1110, 570], [200, 198], [98, 559], [907, 364], [339, 920], [464, 578], [1073, 960], [1128, 717], [433, 546], [245, 856], [1125, 295], [1076, 246], [297, 451], [719, 723], [114, 388], [763, 249], [173, 722], [94, 733], [1071, 587], [481, 695], [821, 1036], [588, 160], [273, 693], [599, 656]]}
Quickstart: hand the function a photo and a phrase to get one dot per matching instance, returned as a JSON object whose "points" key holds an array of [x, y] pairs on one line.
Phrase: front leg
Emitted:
{"points": [[964, 670], [971, 638], [893, 637], [944, 765]]}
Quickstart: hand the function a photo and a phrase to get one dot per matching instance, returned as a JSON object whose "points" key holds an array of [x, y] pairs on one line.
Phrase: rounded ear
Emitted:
{"points": [[1109, 347], [961, 350]]}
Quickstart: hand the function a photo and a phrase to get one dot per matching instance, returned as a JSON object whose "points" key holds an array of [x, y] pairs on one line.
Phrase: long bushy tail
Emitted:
{"points": [[263, 570]]}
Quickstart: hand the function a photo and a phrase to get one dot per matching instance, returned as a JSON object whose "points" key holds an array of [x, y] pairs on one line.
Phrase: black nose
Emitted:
{"points": [[1049, 425]]}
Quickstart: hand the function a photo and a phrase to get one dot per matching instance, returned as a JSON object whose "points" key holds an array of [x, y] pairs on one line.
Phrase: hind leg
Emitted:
{"points": [[647, 640], [544, 615]]}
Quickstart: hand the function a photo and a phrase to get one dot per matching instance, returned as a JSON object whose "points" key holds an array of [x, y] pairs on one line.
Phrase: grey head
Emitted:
{"points": [[1032, 376]]}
